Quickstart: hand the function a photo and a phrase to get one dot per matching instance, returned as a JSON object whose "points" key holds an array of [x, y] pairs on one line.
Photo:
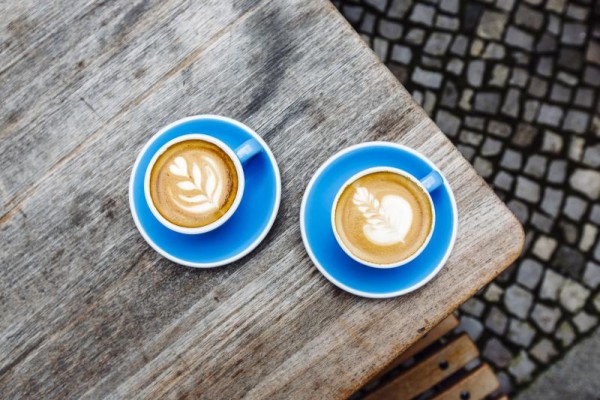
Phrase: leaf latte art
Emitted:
{"points": [[383, 217], [388, 221], [193, 183], [206, 190]]}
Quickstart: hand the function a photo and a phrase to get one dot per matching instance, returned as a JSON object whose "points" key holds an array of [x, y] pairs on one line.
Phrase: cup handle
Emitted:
{"points": [[432, 181], [248, 149]]}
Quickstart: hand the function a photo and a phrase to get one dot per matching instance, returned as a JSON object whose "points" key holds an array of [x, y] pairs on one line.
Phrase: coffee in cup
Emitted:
{"points": [[193, 183], [383, 217]]}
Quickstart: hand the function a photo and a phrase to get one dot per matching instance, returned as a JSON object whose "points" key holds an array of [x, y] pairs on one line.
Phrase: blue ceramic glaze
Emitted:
{"points": [[246, 228], [328, 256]]}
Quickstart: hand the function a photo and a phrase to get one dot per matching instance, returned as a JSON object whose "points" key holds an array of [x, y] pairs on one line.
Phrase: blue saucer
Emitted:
{"points": [[246, 228], [328, 256]]}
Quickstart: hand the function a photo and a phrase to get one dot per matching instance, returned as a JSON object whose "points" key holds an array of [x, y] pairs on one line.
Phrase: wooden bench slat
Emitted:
{"points": [[430, 337], [428, 372], [479, 383]]}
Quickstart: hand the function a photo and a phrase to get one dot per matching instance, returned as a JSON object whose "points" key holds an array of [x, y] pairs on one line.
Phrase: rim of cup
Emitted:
{"points": [[236, 202], [369, 171]]}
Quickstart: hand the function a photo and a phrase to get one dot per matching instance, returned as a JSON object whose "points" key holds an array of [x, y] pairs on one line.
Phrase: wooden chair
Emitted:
{"points": [[441, 370]]}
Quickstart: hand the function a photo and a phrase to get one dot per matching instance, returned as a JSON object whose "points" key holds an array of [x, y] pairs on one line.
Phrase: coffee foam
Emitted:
{"points": [[383, 217], [193, 183]]}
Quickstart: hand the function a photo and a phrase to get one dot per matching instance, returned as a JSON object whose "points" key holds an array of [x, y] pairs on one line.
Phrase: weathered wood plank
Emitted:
{"points": [[478, 383], [449, 323], [89, 309], [427, 373], [91, 75]]}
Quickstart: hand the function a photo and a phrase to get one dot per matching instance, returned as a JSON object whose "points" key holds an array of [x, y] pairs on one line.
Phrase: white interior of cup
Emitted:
{"points": [[369, 171], [224, 217]]}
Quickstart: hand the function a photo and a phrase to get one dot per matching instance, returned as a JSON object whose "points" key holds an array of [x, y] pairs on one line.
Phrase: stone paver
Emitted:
{"points": [[515, 85], [574, 377]]}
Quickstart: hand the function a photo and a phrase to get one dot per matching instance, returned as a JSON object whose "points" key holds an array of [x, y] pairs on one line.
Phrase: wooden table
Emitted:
{"points": [[88, 309]]}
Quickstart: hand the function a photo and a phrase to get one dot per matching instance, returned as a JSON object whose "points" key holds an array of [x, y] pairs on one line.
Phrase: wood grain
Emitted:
{"points": [[479, 383], [89, 310], [430, 337], [427, 373]]}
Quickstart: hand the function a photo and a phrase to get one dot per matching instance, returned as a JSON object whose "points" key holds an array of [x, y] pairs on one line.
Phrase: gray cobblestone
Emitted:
{"points": [[545, 317], [494, 51], [542, 222], [530, 272], [527, 190], [422, 13], [459, 46], [491, 25], [560, 93], [584, 321], [504, 181], [557, 172], [569, 260], [471, 326], [493, 293], [455, 66], [576, 121], [552, 142], [573, 296], [475, 72], [591, 276], [588, 237], [511, 160], [390, 29], [415, 36], [450, 6], [437, 44], [550, 115], [552, 201], [574, 207], [573, 33], [584, 97], [531, 110], [544, 351], [519, 38], [445, 22], [398, 8], [518, 301], [586, 181], [427, 78], [536, 166], [529, 17], [521, 368], [519, 209], [544, 247], [473, 306], [557, 6], [569, 234], [497, 353], [496, 321], [487, 102], [595, 214], [500, 129], [591, 156], [565, 334], [551, 285], [520, 332]]}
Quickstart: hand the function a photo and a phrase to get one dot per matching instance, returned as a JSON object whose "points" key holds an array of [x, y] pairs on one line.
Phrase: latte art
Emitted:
{"points": [[386, 222], [383, 218], [193, 183], [203, 190]]}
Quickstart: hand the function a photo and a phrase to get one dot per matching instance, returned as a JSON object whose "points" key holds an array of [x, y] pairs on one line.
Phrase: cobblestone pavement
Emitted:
{"points": [[515, 86]]}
